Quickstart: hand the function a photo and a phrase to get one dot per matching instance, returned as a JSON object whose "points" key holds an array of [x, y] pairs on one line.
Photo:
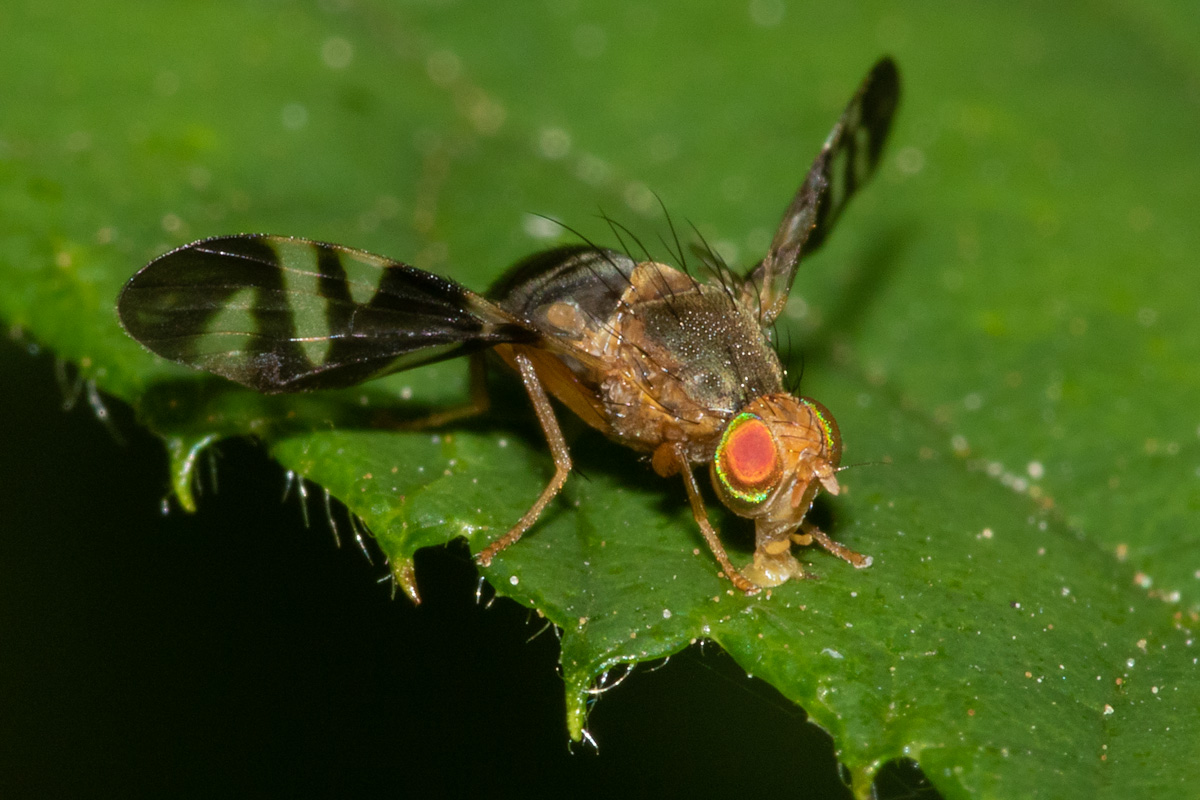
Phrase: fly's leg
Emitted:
{"points": [[477, 403], [558, 449], [698, 511], [813, 533]]}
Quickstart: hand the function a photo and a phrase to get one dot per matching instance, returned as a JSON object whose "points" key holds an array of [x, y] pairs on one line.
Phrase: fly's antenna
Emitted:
{"points": [[864, 464]]}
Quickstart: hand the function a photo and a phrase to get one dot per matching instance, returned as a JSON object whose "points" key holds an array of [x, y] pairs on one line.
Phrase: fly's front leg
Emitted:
{"points": [[663, 465], [558, 449], [813, 533]]}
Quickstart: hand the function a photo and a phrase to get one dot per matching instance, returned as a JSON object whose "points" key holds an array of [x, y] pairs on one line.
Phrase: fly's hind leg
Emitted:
{"points": [[558, 449], [477, 403]]}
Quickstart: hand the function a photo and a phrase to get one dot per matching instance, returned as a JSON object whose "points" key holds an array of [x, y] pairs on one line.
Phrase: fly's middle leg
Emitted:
{"points": [[558, 449], [478, 402]]}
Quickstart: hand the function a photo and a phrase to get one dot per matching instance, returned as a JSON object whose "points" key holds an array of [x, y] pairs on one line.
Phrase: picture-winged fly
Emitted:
{"points": [[654, 358]]}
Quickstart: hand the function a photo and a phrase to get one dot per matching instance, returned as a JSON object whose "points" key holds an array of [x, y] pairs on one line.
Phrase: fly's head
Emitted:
{"points": [[773, 458]]}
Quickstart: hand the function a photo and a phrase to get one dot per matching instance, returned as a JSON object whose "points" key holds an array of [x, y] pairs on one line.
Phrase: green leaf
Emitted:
{"points": [[1004, 325]]}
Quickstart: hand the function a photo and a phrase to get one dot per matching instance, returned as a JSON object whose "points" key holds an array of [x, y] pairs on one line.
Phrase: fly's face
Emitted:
{"points": [[773, 457], [769, 465]]}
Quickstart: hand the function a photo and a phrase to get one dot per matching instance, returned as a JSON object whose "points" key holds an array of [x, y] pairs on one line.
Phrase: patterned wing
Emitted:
{"points": [[848, 158], [279, 314]]}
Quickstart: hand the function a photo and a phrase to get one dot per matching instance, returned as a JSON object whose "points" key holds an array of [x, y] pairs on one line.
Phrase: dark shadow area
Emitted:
{"points": [[903, 779], [203, 403], [882, 254], [237, 653], [206, 403], [854, 303]]}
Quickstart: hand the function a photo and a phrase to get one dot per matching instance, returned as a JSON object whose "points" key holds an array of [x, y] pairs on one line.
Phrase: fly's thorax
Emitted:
{"points": [[684, 356], [712, 345], [774, 456]]}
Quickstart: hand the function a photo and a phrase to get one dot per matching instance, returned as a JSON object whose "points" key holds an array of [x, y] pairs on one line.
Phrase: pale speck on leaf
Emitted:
{"points": [[767, 13], [443, 67], [337, 52], [294, 116]]}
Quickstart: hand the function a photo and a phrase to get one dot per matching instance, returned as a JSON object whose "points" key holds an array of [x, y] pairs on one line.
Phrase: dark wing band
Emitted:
{"points": [[280, 314], [849, 157]]}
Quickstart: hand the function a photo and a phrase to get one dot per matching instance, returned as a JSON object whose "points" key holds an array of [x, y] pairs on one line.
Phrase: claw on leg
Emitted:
{"points": [[813, 533]]}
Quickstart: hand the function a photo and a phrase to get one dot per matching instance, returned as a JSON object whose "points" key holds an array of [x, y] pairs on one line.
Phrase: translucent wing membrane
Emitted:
{"points": [[848, 158], [279, 314]]}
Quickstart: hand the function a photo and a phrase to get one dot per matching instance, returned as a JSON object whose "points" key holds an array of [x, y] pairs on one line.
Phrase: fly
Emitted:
{"points": [[675, 368]]}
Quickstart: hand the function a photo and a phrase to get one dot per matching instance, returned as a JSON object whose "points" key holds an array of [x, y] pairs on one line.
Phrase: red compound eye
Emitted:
{"points": [[747, 462]]}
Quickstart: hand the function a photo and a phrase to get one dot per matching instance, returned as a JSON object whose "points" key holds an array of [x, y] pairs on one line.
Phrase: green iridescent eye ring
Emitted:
{"points": [[831, 442], [747, 459]]}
